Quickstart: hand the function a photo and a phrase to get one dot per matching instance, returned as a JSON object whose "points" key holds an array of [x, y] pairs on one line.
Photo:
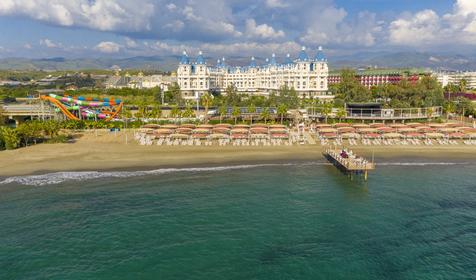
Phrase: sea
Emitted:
{"points": [[413, 219]]}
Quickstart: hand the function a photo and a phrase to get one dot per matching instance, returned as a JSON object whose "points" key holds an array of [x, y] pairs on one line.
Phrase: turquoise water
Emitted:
{"points": [[293, 221]]}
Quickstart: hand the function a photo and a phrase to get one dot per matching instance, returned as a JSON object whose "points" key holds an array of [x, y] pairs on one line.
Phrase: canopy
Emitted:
{"points": [[350, 135], [201, 131], [327, 130], [329, 135], [277, 126], [337, 125], [241, 126], [376, 125], [223, 125], [171, 126], [361, 125], [407, 129], [221, 130], [279, 135], [366, 130], [434, 135], [424, 129], [179, 136], [200, 135], [398, 125], [386, 129], [218, 136], [152, 125], [183, 130], [345, 129], [239, 130], [187, 125], [456, 135], [163, 131], [415, 135], [278, 130], [392, 135], [414, 124], [207, 126]]}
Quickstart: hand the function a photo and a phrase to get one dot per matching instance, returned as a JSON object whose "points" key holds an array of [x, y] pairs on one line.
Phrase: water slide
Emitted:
{"points": [[85, 106]]}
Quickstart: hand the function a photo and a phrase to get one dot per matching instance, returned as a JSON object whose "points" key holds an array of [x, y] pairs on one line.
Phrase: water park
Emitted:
{"points": [[84, 108]]}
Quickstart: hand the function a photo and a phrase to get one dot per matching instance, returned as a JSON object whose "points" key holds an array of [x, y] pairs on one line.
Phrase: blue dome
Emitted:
{"points": [[253, 62], [303, 55], [273, 60], [320, 56], [184, 59], [200, 59], [288, 59]]}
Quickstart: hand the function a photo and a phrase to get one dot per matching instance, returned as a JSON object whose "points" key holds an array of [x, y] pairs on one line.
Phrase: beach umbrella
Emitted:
{"points": [[154, 126], [424, 129], [367, 130], [350, 135], [377, 125], [188, 125], [239, 130], [221, 130], [470, 135], [183, 130], [361, 125], [280, 135], [414, 135], [407, 129], [414, 124], [437, 125], [258, 130], [456, 135], [163, 131], [277, 126], [201, 131], [179, 136], [200, 136], [218, 136], [338, 125], [386, 129], [329, 135], [434, 135], [239, 136], [345, 129], [393, 135], [145, 130], [371, 135], [227, 125], [327, 130], [206, 126], [241, 126], [448, 129], [278, 130], [454, 124], [398, 125], [323, 125], [469, 130], [170, 126], [259, 125]]}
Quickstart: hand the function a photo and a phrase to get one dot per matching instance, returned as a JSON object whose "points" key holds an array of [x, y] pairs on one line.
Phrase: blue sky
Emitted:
{"points": [[122, 28]]}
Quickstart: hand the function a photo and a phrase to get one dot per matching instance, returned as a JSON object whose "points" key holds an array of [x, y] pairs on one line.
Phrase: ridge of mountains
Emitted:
{"points": [[451, 62]]}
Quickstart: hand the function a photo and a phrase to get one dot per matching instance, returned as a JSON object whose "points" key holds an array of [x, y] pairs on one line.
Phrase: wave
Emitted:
{"points": [[60, 177]]}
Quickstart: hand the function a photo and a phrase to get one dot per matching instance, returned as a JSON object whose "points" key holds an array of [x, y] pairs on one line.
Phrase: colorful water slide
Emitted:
{"points": [[60, 106]]}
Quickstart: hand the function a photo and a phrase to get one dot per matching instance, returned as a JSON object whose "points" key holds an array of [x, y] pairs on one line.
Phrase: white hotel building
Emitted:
{"points": [[307, 76]]}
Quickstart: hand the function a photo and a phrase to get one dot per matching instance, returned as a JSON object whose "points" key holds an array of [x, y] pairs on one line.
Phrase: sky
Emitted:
{"points": [[233, 28]]}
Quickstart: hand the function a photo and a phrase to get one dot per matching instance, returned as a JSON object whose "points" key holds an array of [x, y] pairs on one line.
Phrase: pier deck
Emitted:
{"points": [[349, 165]]}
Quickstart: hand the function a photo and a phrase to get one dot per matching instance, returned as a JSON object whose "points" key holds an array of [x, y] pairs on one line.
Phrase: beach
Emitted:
{"points": [[105, 151]]}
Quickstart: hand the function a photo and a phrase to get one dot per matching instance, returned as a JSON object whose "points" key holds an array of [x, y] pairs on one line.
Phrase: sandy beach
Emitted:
{"points": [[106, 151]]}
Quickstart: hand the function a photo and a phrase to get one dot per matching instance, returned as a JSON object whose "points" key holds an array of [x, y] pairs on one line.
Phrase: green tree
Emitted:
{"points": [[188, 112], [10, 138], [173, 95], [341, 113], [265, 114], [350, 89], [326, 110], [156, 112], [175, 112], [251, 110], [206, 99], [232, 97], [282, 111], [222, 111], [236, 112]]}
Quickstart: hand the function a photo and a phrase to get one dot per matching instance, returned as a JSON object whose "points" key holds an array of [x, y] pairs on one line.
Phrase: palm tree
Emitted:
{"points": [[206, 100], [175, 112], [9, 137], [429, 113], [282, 110], [222, 111], [2, 115], [326, 110], [236, 112], [251, 111], [341, 113], [265, 114], [156, 112]]}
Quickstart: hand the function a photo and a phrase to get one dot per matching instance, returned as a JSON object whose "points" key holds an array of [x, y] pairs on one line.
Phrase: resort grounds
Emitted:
{"points": [[103, 150]]}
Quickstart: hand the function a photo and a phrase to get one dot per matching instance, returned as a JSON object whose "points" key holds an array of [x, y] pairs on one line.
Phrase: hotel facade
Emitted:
{"points": [[308, 76]]}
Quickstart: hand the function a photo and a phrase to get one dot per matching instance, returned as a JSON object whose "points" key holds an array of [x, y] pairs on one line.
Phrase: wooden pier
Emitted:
{"points": [[349, 163]]}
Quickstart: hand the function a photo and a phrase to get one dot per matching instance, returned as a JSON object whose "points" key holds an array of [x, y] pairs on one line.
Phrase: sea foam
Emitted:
{"points": [[60, 177]]}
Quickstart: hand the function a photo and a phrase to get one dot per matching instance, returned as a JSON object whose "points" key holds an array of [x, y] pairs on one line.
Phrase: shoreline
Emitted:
{"points": [[109, 153]]}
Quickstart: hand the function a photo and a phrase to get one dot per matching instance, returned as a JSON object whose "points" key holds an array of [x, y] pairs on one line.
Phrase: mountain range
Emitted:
{"points": [[169, 63]]}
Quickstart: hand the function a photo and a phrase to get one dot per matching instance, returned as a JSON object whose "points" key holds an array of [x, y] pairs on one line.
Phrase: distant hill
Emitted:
{"points": [[167, 63]]}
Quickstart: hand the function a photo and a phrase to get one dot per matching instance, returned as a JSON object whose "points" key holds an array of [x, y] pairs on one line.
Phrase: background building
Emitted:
{"points": [[446, 78], [370, 78], [140, 81], [308, 76]]}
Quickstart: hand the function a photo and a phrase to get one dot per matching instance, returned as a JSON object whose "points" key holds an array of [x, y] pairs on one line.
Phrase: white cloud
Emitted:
{"points": [[108, 47], [428, 28], [276, 4], [49, 43], [262, 31], [131, 43], [27, 46], [106, 15]]}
